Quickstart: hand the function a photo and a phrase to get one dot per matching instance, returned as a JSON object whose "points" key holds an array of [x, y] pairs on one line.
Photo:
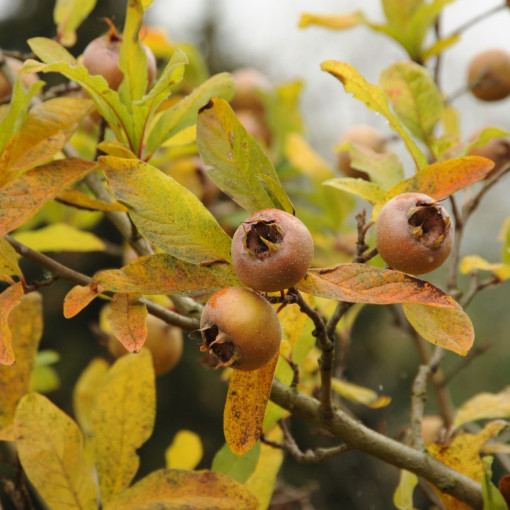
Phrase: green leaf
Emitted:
{"points": [[366, 190], [492, 498], [165, 212], [184, 113], [414, 96], [68, 16], [242, 169], [375, 99], [238, 467], [403, 496]]}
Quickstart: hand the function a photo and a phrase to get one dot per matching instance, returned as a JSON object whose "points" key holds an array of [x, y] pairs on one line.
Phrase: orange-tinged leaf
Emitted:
{"points": [[77, 198], [46, 130], [122, 420], [9, 298], [449, 328], [164, 274], [23, 196], [463, 455], [360, 283], [179, 489], [79, 297], [127, 320], [8, 259], [484, 405], [185, 452], [442, 179], [247, 397], [50, 449], [26, 320]]}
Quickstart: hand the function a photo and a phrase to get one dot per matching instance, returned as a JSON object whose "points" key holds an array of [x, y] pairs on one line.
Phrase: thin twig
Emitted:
{"points": [[477, 19]]}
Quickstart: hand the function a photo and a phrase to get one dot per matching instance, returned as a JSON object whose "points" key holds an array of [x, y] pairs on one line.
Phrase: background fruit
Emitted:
{"points": [[272, 250], [497, 150], [240, 329], [27, 79], [250, 84], [413, 233], [367, 138], [489, 75]]}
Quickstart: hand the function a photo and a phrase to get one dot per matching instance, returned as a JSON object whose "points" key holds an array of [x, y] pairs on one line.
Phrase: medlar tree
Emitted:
{"points": [[176, 169]]}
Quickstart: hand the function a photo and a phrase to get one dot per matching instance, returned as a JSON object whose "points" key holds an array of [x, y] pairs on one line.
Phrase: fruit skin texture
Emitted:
{"points": [[366, 137], [489, 75], [101, 57], [272, 250], [163, 340], [413, 233], [240, 329]]}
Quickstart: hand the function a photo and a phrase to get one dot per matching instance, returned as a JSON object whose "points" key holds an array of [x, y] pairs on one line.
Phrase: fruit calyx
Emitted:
{"points": [[220, 347], [428, 224], [113, 35], [263, 237]]}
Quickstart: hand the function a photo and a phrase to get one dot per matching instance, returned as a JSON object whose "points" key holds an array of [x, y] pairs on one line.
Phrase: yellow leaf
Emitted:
{"points": [[116, 148], [247, 397], [127, 320], [475, 262], [185, 452], [68, 15], [9, 298], [26, 320], [60, 237], [359, 394], [85, 391], [463, 455], [366, 190], [484, 405], [122, 420], [403, 496], [449, 328], [333, 21], [79, 297], [77, 198], [50, 449], [180, 489], [262, 481], [8, 259]]}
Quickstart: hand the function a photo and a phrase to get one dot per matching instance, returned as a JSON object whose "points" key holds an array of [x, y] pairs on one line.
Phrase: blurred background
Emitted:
{"points": [[265, 35]]}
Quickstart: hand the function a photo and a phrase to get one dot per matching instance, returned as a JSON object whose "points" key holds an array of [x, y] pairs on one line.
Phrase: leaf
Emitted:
{"points": [[165, 212], [77, 198], [79, 297], [68, 16], [472, 263], [247, 397], [127, 319], [23, 196], [122, 420], [237, 467], [50, 449], [403, 496], [462, 454], [492, 498], [449, 328], [333, 21], [184, 113], [9, 298], [375, 99], [8, 259], [60, 237], [367, 190], [164, 274], [359, 394], [241, 167], [185, 452], [442, 179], [26, 320], [47, 128], [173, 488], [360, 283], [414, 96], [483, 406]]}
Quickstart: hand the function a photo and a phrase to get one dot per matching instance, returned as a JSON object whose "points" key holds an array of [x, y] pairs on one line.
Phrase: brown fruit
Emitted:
{"points": [[497, 150], [163, 340], [101, 57], [367, 138], [272, 250], [255, 126], [240, 329], [249, 86], [489, 75], [15, 65], [413, 233]]}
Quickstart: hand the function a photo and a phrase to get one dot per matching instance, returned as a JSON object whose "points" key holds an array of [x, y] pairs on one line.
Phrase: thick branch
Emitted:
{"points": [[360, 437]]}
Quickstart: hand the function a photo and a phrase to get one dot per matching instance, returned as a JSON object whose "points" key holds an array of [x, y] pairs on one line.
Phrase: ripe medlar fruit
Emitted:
{"points": [[489, 75], [15, 65], [101, 56], [163, 340], [413, 233], [271, 250], [240, 329], [366, 137], [249, 85]]}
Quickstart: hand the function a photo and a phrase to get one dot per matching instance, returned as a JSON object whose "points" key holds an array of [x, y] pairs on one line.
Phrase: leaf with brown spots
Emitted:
{"points": [[127, 320], [9, 298]]}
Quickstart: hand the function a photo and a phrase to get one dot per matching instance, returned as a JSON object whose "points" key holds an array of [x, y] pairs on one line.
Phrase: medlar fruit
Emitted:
{"points": [[240, 329], [271, 250], [413, 233], [489, 75], [497, 150], [27, 79]]}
